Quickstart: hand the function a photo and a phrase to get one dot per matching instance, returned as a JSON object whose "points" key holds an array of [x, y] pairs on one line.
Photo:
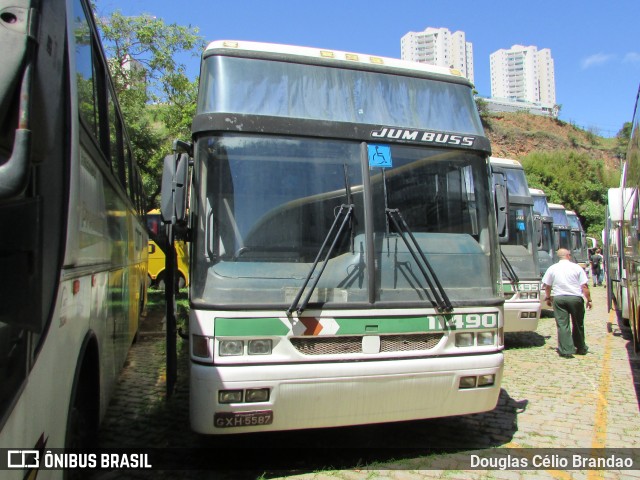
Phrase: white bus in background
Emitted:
{"points": [[579, 250], [546, 252], [561, 227], [618, 219], [349, 194], [520, 268]]}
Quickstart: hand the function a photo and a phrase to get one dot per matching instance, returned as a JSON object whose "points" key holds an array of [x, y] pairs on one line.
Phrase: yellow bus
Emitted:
{"points": [[156, 264]]}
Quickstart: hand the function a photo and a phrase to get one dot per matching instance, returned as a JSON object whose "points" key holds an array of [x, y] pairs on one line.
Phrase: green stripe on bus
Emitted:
{"points": [[361, 326], [245, 327]]}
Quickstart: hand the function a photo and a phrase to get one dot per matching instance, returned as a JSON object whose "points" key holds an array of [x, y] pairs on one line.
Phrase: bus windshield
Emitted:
{"points": [[574, 222], [559, 217], [516, 182], [314, 92], [268, 203], [519, 246], [541, 206]]}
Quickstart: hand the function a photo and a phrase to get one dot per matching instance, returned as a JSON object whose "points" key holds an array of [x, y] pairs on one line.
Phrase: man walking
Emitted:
{"points": [[566, 284], [596, 268]]}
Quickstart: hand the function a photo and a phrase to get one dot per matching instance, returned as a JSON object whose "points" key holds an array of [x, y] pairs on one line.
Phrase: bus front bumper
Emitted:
{"points": [[318, 395], [521, 316]]}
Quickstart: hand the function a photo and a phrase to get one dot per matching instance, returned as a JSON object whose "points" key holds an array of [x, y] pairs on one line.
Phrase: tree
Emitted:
{"points": [[157, 98], [622, 140]]}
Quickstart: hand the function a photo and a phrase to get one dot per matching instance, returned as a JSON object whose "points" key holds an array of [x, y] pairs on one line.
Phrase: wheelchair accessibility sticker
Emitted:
{"points": [[379, 156]]}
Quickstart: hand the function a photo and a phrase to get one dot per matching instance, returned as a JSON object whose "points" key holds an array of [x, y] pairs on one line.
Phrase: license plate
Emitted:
{"points": [[243, 419]]}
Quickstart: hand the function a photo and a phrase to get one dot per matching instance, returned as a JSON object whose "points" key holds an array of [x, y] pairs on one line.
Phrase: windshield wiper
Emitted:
{"points": [[511, 273], [346, 212], [442, 300]]}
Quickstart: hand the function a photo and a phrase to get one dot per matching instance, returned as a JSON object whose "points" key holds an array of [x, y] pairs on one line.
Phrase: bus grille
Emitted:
{"points": [[353, 344]]}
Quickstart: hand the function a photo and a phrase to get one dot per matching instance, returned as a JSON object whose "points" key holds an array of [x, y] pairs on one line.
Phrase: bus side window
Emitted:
{"points": [[85, 74], [115, 142]]}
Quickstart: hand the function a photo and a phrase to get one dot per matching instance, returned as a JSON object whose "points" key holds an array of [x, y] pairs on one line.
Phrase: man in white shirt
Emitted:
{"points": [[566, 284]]}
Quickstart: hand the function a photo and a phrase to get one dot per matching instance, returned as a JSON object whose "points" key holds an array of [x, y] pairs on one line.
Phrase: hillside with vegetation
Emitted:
{"points": [[574, 167]]}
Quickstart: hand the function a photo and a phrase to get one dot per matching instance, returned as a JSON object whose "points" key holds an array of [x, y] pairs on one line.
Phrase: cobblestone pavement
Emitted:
{"points": [[547, 402]]}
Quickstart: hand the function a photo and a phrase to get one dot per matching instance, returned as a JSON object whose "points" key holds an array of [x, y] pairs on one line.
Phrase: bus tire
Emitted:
{"points": [[180, 282], [84, 408]]}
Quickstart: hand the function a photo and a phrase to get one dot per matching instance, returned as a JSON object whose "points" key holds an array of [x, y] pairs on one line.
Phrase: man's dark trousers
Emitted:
{"points": [[568, 310]]}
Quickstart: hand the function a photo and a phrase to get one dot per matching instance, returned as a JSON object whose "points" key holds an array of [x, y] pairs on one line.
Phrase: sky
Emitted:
{"points": [[595, 45]]}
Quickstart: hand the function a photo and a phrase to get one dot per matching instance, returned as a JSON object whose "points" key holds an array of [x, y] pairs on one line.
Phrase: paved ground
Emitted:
{"points": [[547, 402]]}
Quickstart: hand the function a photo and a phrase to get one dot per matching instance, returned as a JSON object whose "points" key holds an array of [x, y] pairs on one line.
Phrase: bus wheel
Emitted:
{"points": [[181, 282], [82, 422]]}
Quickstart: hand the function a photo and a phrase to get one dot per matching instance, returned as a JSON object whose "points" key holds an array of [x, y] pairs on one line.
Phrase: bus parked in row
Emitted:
{"points": [[349, 194], [579, 250], [73, 253], [544, 237], [561, 227], [618, 219], [630, 248], [519, 251]]}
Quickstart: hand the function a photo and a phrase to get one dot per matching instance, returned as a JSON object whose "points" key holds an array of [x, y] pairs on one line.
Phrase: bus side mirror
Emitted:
{"points": [[502, 209], [538, 229], [173, 200], [502, 204]]}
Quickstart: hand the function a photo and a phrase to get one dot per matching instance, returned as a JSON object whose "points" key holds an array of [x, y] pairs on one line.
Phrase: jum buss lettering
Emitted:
{"points": [[423, 136]]}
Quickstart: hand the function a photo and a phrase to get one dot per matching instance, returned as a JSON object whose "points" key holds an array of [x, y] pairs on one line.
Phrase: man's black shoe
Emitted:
{"points": [[582, 351], [567, 355]]}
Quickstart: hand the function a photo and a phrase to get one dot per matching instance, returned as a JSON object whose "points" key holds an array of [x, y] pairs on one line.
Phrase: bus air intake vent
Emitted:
{"points": [[408, 343], [353, 344], [327, 345]]}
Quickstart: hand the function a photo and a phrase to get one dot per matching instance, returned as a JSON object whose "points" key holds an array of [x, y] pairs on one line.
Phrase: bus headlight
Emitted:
{"points": [[467, 382], [230, 396], [259, 347], [254, 395], [464, 339], [486, 380], [228, 348], [485, 338]]}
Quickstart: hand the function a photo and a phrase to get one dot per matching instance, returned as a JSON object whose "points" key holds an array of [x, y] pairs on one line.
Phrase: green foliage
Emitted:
{"points": [[622, 139], [575, 180], [156, 97], [483, 108], [592, 137]]}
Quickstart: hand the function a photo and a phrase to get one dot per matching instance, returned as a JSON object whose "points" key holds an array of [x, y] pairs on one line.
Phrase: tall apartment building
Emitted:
{"points": [[438, 46], [524, 74]]}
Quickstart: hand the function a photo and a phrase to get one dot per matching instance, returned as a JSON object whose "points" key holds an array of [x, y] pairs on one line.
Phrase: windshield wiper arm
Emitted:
{"points": [[511, 273], [442, 300], [346, 211]]}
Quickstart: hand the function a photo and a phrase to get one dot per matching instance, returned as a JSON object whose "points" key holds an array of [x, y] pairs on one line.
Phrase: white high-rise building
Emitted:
{"points": [[438, 46], [524, 74]]}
